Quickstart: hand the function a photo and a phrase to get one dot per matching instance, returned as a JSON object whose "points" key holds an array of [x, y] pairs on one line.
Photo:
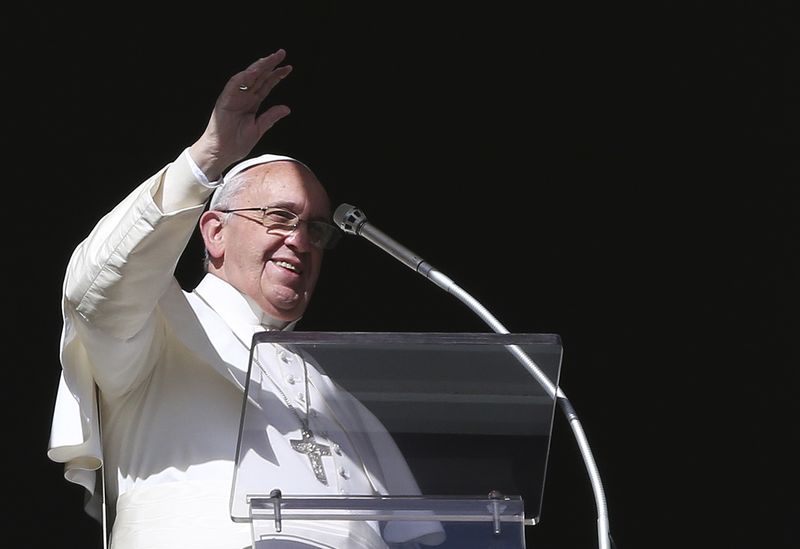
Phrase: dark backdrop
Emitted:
{"points": [[621, 174]]}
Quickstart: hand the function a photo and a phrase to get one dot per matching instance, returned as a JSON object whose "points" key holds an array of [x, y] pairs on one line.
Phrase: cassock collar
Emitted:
{"points": [[239, 311]]}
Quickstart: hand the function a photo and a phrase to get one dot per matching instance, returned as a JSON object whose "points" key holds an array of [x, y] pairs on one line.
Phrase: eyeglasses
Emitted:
{"points": [[284, 222]]}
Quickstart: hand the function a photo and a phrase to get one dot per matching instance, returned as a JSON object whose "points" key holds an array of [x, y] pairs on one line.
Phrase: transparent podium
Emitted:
{"points": [[394, 440]]}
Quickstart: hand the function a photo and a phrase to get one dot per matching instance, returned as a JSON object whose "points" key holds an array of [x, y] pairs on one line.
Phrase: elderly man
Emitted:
{"points": [[150, 398]]}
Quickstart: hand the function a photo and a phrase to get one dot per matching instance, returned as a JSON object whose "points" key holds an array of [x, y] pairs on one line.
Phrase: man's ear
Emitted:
{"points": [[211, 224]]}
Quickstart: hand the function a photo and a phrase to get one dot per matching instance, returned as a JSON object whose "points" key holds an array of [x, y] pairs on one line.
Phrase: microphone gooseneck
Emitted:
{"points": [[353, 221]]}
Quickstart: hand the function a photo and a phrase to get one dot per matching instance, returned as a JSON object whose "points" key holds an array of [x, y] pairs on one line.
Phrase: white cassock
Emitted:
{"points": [[169, 367]]}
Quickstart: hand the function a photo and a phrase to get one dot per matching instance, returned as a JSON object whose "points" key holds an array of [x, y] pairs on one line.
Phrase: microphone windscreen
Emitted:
{"points": [[349, 218]]}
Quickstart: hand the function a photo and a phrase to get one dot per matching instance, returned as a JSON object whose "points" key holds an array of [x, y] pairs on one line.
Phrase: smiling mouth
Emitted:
{"points": [[287, 265]]}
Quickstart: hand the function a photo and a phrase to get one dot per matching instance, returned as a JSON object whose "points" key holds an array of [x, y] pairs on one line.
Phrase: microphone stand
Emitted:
{"points": [[352, 221]]}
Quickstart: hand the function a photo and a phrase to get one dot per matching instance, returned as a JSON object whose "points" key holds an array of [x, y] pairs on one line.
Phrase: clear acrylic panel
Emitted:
{"points": [[461, 522], [439, 418]]}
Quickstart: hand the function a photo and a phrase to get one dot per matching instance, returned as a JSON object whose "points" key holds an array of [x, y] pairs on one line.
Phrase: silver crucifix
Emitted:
{"points": [[314, 451]]}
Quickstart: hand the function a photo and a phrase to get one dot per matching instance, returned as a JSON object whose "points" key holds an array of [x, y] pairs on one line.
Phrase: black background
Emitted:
{"points": [[621, 174]]}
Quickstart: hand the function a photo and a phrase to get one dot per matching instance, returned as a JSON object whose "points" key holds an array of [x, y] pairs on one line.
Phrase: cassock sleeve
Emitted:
{"points": [[114, 280]]}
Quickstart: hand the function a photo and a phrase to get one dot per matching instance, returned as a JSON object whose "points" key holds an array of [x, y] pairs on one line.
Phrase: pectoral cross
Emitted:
{"points": [[314, 451]]}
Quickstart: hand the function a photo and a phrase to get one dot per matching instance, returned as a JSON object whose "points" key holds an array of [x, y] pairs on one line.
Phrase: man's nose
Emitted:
{"points": [[299, 238]]}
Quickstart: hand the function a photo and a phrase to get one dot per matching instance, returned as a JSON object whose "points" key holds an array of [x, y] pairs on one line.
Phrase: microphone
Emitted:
{"points": [[353, 221]]}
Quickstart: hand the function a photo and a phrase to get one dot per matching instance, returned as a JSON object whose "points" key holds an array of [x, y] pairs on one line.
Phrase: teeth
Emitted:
{"points": [[286, 265]]}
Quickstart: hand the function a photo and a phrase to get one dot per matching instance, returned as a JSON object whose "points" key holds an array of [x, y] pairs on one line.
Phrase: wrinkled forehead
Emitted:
{"points": [[283, 180]]}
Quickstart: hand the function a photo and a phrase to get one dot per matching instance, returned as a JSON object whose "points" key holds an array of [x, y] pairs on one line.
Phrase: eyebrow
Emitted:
{"points": [[292, 206]]}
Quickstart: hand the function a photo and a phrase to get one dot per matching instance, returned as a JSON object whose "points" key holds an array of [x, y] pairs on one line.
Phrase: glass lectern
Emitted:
{"points": [[394, 440]]}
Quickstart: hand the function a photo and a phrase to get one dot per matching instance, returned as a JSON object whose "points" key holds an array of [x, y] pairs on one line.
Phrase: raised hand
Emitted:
{"points": [[235, 127]]}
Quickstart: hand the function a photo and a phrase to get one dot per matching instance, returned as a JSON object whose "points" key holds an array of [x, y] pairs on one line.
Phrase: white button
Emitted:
{"points": [[341, 490], [337, 449], [301, 397], [283, 357], [291, 380], [344, 472]]}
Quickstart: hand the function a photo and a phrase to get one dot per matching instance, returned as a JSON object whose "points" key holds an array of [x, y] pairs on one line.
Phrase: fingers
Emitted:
{"points": [[268, 118], [263, 74], [266, 82]]}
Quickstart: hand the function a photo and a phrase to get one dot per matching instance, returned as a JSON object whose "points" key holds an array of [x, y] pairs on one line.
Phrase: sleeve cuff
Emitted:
{"points": [[198, 173]]}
